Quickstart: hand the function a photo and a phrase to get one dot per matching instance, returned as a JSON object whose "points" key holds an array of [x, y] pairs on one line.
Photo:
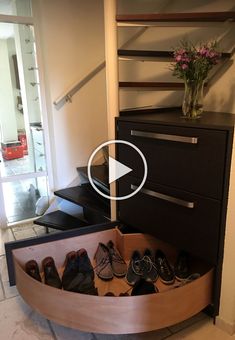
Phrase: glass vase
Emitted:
{"points": [[192, 106]]}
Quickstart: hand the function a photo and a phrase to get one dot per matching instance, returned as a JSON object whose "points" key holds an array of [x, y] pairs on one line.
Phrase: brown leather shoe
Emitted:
{"points": [[31, 268], [50, 272]]}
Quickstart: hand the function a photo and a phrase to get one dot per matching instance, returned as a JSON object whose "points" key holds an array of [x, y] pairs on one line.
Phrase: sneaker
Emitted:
{"points": [[151, 273], [165, 271], [103, 267], [50, 272], [70, 271], [143, 287], [119, 266], [135, 269], [31, 268], [182, 266]]}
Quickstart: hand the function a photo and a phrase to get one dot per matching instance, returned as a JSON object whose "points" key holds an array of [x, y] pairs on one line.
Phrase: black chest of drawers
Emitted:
{"points": [[184, 199]]}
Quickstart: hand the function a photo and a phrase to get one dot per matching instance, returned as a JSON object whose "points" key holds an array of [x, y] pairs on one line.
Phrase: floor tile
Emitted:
{"points": [[6, 235], [155, 335], [179, 326], [22, 234], [39, 230], [203, 330], [3, 268], [19, 322], [9, 291], [2, 296], [64, 333]]}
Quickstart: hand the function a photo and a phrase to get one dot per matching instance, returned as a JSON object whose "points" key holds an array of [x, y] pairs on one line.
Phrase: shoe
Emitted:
{"points": [[109, 294], [135, 269], [50, 272], [124, 294], [165, 271], [31, 268], [151, 273], [84, 263], [70, 271], [182, 266], [143, 287], [118, 265], [103, 267], [78, 275]]}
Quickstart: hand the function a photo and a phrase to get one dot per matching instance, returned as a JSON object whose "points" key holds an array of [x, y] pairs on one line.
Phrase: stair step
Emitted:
{"points": [[165, 55], [148, 110], [99, 175], [86, 197], [60, 220], [178, 17], [162, 86]]}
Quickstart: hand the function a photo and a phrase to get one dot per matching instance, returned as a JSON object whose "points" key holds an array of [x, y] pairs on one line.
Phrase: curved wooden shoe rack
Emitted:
{"points": [[102, 314]]}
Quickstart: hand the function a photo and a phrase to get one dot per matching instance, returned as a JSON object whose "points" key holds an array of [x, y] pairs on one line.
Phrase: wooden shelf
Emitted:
{"points": [[86, 197], [162, 86], [60, 220], [99, 175], [178, 17]]}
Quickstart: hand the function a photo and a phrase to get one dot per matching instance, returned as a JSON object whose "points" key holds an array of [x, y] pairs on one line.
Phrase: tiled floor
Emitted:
{"points": [[19, 322]]}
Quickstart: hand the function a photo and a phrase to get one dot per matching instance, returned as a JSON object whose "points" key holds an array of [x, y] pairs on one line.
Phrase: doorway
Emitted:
{"points": [[23, 169]]}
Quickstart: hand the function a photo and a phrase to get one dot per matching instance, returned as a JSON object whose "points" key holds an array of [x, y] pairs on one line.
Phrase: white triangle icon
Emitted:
{"points": [[117, 170]]}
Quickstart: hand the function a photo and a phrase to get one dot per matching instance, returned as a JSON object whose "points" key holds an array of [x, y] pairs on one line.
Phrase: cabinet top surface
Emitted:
{"points": [[212, 120]]}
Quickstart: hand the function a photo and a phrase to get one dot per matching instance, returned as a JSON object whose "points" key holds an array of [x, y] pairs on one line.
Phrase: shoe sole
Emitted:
{"points": [[167, 282], [181, 279], [119, 275], [104, 278]]}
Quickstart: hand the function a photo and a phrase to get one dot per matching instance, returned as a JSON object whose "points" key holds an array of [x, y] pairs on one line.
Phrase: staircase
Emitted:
{"points": [[96, 209]]}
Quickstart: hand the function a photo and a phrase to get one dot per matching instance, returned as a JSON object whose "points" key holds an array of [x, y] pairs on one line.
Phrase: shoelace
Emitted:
{"points": [[104, 262], [164, 266], [150, 262], [142, 265], [117, 258]]}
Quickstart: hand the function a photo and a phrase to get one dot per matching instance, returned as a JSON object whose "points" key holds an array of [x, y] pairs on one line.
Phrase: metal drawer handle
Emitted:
{"points": [[161, 136], [171, 199]]}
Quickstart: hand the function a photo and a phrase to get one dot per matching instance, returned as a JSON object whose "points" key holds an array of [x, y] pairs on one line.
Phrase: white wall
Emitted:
{"points": [[72, 45]]}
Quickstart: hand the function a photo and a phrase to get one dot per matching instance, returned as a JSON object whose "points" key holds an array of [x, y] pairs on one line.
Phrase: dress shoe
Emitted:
{"points": [[70, 271], [50, 273], [31, 268]]}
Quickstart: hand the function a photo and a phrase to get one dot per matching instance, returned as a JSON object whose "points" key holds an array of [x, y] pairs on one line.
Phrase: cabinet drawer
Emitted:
{"points": [[116, 315], [187, 158], [189, 221]]}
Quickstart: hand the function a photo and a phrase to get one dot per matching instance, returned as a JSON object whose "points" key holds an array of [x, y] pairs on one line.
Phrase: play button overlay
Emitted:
{"points": [[117, 170]]}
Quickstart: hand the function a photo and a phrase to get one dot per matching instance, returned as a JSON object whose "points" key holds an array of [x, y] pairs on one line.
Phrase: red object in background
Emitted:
{"points": [[22, 138], [12, 150]]}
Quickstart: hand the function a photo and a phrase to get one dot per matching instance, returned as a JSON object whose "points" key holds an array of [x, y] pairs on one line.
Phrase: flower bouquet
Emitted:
{"points": [[192, 64]]}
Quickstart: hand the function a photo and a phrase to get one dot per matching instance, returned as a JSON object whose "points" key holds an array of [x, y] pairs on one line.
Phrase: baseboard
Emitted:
{"points": [[225, 326]]}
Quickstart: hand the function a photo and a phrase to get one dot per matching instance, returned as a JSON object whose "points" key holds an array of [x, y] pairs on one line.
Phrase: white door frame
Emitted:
{"points": [[14, 19]]}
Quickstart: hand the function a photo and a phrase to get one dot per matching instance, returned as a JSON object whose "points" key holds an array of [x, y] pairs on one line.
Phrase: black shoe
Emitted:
{"points": [[70, 271], [143, 287], [182, 266], [135, 269], [31, 268], [50, 273], [84, 263], [150, 272], [165, 271]]}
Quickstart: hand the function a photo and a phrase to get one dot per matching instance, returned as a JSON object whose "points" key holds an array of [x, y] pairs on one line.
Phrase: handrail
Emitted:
{"points": [[68, 96]]}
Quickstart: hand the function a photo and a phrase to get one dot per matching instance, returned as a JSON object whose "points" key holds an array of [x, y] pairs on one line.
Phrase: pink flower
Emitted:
{"points": [[178, 58], [184, 66]]}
